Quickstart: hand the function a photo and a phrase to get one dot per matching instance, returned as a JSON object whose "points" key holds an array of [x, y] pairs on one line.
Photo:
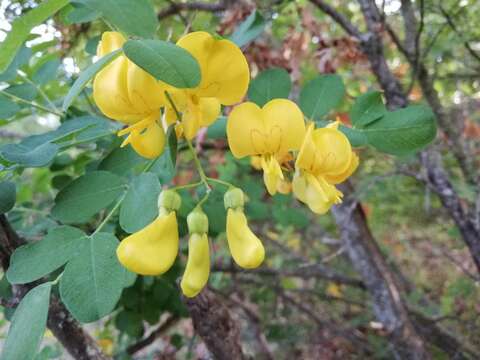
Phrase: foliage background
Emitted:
{"points": [[288, 308]]}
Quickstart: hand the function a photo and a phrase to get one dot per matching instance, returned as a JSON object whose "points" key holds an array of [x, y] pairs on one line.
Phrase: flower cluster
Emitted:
{"points": [[270, 135], [126, 93], [152, 250], [293, 155]]}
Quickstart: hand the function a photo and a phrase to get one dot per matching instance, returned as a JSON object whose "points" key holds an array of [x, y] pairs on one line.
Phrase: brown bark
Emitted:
{"points": [[213, 323], [65, 328]]}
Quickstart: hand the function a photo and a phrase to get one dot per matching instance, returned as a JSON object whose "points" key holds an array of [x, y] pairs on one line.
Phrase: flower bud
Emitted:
{"points": [[246, 248], [153, 249], [170, 200], [197, 222], [234, 198], [197, 270]]}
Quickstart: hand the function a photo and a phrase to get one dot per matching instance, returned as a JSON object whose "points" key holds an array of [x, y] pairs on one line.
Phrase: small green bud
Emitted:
{"points": [[197, 222], [170, 200], [234, 198]]}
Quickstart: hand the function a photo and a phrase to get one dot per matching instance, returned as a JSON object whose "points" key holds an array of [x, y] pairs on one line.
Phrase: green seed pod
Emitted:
{"points": [[234, 198], [169, 200], [197, 222]]}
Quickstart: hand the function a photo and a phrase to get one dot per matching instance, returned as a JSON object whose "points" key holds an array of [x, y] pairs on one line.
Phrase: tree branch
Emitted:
{"points": [[65, 328], [213, 323], [176, 8]]}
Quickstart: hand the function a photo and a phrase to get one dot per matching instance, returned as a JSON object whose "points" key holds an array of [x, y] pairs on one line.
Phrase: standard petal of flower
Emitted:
{"points": [[209, 109], [334, 152], [152, 250], [151, 142], [111, 41], [306, 158], [144, 91], [244, 120], [246, 248], [197, 270], [110, 90], [337, 179], [286, 125], [224, 68]]}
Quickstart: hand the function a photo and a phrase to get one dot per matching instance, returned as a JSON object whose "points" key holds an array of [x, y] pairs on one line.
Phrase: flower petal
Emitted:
{"points": [[337, 179], [224, 68], [210, 110], [152, 250], [242, 122], [246, 248], [150, 142], [285, 117], [198, 265]]}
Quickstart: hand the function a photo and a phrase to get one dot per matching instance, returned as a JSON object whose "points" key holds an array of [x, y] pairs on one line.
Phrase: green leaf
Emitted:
{"points": [[270, 84], [27, 156], [86, 75], [24, 91], [139, 208], [28, 325], [8, 194], [164, 166], [87, 195], [46, 72], [403, 131], [93, 281], [165, 61], [122, 160], [21, 29], [356, 136], [79, 14], [320, 95], [7, 108], [22, 58], [218, 130], [133, 17], [367, 108], [33, 261], [92, 44], [251, 28]]}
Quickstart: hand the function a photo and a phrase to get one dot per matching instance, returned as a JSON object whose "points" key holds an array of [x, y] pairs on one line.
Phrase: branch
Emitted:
{"points": [[176, 8], [455, 29], [154, 335], [65, 328], [214, 324], [303, 271], [340, 19]]}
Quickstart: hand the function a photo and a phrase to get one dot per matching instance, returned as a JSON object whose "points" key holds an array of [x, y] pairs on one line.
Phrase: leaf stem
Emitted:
{"points": [[40, 91], [31, 103], [221, 182], [109, 215]]}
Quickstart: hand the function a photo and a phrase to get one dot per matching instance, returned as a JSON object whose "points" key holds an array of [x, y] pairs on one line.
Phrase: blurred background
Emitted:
{"points": [[393, 268]]}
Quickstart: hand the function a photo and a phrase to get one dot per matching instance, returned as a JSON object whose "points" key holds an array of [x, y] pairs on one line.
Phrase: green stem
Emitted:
{"points": [[40, 91], [186, 186], [221, 182], [31, 103], [109, 215], [198, 165]]}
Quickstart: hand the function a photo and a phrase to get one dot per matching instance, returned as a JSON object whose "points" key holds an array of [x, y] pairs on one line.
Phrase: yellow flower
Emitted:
{"points": [[198, 265], [197, 270], [152, 250], [269, 132], [325, 159], [126, 93], [225, 78], [246, 248]]}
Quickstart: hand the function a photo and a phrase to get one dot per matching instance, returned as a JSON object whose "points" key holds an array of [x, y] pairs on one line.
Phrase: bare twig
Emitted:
{"points": [[154, 335]]}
